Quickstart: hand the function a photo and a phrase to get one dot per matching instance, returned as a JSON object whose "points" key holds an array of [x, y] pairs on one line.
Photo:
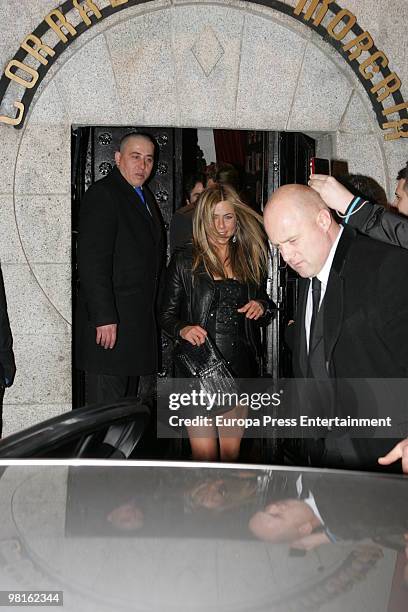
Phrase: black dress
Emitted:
{"points": [[226, 327]]}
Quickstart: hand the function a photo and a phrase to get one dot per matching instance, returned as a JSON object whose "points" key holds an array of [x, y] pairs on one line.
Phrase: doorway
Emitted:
{"points": [[263, 161]]}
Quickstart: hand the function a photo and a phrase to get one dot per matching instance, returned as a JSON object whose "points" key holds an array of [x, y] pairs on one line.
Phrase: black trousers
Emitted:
{"points": [[107, 388]]}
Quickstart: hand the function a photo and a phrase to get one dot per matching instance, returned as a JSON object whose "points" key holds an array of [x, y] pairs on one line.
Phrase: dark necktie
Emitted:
{"points": [[316, 293], [140, 193]]}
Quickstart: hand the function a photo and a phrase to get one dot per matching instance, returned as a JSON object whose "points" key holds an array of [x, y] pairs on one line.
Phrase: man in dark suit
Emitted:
{"points": [[120, 257], [334, 507], [7, 364], [352, 315]]}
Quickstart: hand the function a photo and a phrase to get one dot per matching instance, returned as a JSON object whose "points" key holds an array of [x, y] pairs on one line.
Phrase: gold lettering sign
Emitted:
{"points": [[384, 84], [16, 120], [352, 19], [364, 42], [397, 126], [395, 109], [27, 69], [56, 13], [39, 46], [371, 62], [116, 3], [340, 23], [312, 8], [90, 8]]}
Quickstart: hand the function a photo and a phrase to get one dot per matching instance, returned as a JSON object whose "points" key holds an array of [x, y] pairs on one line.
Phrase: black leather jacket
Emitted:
{"points": [[379, 223], [187, 300]]}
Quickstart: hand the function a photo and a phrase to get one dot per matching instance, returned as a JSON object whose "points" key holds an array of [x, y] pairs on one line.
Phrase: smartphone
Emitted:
{"points": [[319, 165]]}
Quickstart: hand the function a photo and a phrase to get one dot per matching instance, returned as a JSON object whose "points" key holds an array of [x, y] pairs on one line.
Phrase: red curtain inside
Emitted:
{"points": [[230, 147]]}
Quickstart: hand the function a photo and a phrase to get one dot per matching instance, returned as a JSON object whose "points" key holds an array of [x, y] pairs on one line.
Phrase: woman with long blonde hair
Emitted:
{"points": [[215, 288]]}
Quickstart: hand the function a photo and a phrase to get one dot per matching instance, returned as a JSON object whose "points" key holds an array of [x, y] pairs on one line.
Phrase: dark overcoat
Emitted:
{"points": [[365, 334], [365, 329], [121, 252]]}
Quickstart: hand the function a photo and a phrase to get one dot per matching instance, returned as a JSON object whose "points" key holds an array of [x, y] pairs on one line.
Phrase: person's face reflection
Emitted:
{"points": [[127, 517], [283, 521]]}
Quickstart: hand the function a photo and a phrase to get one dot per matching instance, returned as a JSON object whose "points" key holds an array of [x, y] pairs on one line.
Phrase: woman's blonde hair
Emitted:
{"points": [[248, 252]]}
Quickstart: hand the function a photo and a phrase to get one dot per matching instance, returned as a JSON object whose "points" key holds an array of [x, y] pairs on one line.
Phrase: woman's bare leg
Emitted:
{"points": [[204, 443], [231, 435]]}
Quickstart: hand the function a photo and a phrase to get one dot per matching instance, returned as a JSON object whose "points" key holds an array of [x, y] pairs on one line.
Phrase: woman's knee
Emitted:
{"points": [[229, 449], [204, 449]]}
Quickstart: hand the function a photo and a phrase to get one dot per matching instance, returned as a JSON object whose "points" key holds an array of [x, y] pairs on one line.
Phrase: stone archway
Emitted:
{"points": [[219, 64]]}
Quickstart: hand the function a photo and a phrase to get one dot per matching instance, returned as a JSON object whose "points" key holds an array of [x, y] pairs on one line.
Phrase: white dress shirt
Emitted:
{"points": [[323, 277]]}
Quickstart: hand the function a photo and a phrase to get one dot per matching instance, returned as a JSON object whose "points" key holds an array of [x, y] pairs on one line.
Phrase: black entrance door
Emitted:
{"points": [[93, 157], [289, 156], [272, 159]]}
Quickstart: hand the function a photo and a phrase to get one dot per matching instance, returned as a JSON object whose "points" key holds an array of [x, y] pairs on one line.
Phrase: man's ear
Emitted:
{"points": [[305, 529], [117, 157], [324, 220]]}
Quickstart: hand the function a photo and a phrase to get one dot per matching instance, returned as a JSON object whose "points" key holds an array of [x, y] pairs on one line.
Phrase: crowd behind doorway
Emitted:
{"points": [[261, 160]]}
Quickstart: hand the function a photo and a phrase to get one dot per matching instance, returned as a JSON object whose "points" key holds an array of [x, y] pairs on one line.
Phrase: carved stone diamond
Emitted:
{"points": [[207, 50]]}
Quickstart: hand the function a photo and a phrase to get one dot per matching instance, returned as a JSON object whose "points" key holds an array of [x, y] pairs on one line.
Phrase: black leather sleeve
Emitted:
{"points": [[381, 224], [174, 299]]}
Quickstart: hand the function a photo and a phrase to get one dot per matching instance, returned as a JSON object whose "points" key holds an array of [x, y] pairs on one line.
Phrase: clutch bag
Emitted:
{"points": [[205, 362]]}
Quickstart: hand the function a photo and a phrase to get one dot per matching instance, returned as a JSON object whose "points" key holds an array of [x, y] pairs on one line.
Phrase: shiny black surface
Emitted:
{"points": [[112, 430], [160, 536]]}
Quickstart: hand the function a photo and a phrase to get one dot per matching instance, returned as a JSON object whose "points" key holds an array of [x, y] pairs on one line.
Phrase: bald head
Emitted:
{"points": [[299, 223], [283, 521], [294, 199]]}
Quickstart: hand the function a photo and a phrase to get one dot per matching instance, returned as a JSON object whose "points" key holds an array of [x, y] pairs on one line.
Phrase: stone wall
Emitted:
{"points": [[172, 63]]}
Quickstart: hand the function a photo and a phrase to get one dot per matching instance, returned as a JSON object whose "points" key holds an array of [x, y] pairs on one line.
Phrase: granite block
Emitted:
{"points": [[207, 50], [359, 116], [55, 281], [17, 417], [30, 309], [81, 82], [142, 61], [44, 162], [43, 370], [10, 139], [364, 155], [322, 94], [269, 72], [11, 250], [44, 225]]}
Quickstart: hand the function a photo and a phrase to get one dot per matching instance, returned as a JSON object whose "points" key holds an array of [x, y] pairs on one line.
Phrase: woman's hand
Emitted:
{"points": [[194, 334], [252, 310]]}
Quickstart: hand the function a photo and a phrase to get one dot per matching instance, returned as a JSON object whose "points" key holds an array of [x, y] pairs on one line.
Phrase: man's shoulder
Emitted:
{"points": [[99, 188], [375, 262], [104, 193], [372, 249]]}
